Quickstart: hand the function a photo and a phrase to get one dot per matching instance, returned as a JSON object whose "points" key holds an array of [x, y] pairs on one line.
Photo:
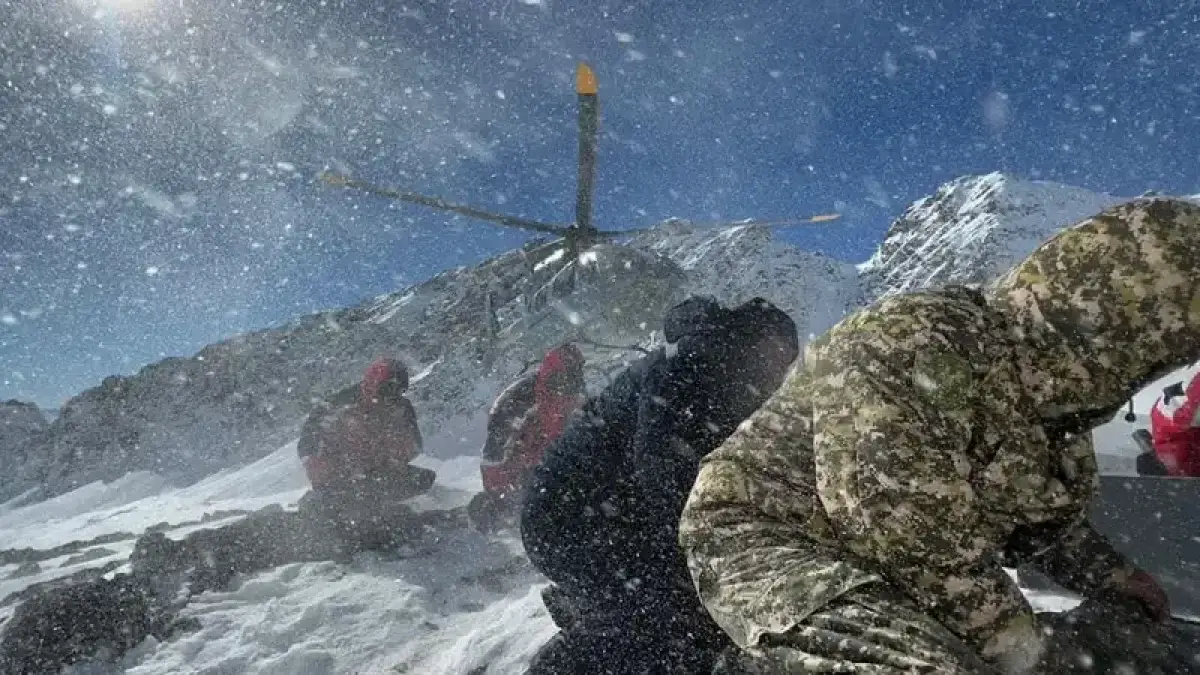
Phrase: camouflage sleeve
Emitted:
{"points": [[1074, 555], [892, 426], [760, 550]]}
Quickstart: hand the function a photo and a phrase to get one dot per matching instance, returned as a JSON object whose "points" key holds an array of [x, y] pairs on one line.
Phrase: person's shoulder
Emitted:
{"points": [[609, 406], [914, 320], [635, 378]]}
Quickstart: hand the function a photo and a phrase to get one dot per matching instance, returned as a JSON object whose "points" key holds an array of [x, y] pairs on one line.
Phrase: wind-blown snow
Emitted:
{"points": [[424, 614], [458, 604], [461, 603], [469, 601]]}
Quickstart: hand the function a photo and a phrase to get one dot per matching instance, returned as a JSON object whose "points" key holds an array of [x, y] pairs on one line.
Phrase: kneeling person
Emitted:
{"points": [[355, 448], [525, 418], [600, 515], [862, 518]]}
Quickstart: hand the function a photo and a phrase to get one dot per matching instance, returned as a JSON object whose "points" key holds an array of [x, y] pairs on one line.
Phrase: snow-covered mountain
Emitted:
{"points": [[184, 418], [20, 424], [971, 229], [740, 262], [465, 603]]}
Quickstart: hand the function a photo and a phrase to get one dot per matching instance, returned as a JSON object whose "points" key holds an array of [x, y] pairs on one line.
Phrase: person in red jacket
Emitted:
{"points": [[365, 436], [1175, 428], [523, 421], [355, 447]]}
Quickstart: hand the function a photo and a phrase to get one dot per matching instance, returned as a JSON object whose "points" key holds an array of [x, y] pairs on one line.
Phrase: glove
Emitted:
{"points": [[1145, 590], [1107, 634]]}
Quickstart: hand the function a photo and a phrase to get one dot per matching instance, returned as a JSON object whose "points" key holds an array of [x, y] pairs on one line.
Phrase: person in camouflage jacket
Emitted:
{"points": [[859, 522]]}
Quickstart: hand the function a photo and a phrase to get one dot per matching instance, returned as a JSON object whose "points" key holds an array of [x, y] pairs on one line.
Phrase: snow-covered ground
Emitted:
{"points": [[459, 604], [465, 602]]}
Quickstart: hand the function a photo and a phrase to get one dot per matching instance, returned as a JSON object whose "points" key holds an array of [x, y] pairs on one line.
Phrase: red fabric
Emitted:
{"points": [[538, 430], [381, 370], [553, 407], [319, 471], [1176, 440], [505, 477], [364, 438]]}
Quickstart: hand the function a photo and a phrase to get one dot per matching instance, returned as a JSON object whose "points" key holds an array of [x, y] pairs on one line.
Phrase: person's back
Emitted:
{"points": [[506, 413], [355, 447], [600, 517], [525, 418], [861, 520], [1175, 428], [360, 442], [529, 415]]}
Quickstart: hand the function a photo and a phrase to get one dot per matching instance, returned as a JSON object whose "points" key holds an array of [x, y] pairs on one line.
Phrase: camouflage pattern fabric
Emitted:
{"points": [[932, 433]]}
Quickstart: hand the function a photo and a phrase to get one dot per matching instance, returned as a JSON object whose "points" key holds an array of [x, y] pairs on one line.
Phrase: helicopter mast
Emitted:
{"points": [[587, 89]]}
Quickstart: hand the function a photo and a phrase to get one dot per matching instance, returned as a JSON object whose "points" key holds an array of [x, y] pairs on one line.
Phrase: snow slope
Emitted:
{"points": [[463, 602], [459, 604]]}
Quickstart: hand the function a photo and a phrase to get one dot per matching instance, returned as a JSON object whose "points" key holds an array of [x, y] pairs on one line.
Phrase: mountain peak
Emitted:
{"points": [[972, 228], [463, 331]]}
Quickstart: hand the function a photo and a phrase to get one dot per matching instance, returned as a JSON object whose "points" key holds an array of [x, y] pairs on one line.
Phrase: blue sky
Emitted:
{"points": [[157, 189]]}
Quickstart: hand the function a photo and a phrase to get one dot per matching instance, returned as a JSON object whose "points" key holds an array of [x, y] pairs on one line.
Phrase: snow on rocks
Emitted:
{"points": [[971, 229], [465, 601]]}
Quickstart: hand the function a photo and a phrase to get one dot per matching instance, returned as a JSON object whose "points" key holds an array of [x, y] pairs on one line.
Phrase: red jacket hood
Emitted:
{"points": [[381, 370]]}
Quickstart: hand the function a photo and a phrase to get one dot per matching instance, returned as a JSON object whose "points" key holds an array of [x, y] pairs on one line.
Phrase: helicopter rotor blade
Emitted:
{"points": [[783, 222], [338, 180], [704, 225], [587, 89]]}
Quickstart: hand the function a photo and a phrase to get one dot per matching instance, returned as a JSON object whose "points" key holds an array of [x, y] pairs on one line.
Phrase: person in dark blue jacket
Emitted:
{"points": [[600, 518]]}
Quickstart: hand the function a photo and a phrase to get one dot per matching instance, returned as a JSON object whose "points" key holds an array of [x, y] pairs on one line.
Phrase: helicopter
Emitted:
{"points": [[583, 282]]}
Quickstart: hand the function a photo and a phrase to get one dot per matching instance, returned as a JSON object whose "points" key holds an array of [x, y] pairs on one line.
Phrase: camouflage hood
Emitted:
{"points": [[1106, 307]]}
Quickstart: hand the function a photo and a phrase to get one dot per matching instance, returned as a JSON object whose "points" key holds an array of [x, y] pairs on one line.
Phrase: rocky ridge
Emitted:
{"points": [[240, 398]]}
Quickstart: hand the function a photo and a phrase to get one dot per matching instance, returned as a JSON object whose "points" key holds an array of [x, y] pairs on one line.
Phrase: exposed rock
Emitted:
{"points": [[58, 627], [86, 574], [468, 330], [26, 569], [20, 425], [17, 556], [88, 556]]}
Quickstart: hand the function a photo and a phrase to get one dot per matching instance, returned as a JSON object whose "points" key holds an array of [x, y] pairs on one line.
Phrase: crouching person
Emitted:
{"points": [[356, 448], [859, 521], [601, 512], [522, 422]]}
